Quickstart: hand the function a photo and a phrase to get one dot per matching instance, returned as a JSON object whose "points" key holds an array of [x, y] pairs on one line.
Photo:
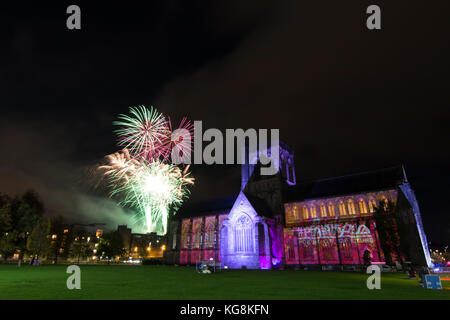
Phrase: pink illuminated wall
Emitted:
{"points": [[325, 243], [335, 208], [199, 238], [209, 254], [184, 255], [334, 230], [290, 246], [196, 255]]}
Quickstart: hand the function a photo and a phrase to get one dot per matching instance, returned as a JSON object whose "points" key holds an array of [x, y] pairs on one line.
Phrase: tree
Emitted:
{"points": [[38, 241], [8, 244], [111, 245], [57, 237], [26, 211], [18, 218], [387, 227], [5, 214], [8, 237]]}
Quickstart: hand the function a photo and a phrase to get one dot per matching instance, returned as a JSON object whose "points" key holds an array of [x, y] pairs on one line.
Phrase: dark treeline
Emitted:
{"points": [[26, 232]]}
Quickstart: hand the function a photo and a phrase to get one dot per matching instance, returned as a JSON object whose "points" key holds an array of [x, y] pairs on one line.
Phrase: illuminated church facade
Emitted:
{"points": [[275, 222]]}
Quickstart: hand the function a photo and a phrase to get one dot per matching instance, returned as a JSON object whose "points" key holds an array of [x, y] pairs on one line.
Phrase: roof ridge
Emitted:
{"points": [[352, 174]]}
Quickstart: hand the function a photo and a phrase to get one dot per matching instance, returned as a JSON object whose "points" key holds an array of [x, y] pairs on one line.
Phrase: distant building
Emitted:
{"points": [[92, 229], [142, 245], [125, 233], [80, 241]]}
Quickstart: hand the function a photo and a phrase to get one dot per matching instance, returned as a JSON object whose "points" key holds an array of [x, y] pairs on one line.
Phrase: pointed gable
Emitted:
{"points": [[240, 206]]}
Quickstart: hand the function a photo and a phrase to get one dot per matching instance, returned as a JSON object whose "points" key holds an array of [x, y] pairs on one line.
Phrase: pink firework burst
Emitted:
{"points": [[178, 143], [144, 132]]}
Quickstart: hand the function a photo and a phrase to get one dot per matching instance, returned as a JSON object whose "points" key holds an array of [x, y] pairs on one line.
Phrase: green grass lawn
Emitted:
{"points": [[169, 282]]}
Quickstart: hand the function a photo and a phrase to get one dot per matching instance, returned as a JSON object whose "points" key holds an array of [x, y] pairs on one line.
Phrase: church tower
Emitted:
{"points": [[268, 188]]}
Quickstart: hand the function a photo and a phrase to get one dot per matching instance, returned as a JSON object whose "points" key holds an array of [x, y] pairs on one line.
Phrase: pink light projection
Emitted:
{"points": [[199, 239], [335, 243]]}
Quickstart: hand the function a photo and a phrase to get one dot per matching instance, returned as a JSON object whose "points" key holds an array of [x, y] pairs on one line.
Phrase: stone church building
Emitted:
{"points": [[275, 222]]}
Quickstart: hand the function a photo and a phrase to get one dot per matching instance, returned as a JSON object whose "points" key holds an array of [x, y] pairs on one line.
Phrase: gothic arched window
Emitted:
{"points": [[296, 212], [210, 234], [243, 237], [351, 207], [331, 210], [323, 210], [305, 212], [341, 206], [186, 234], [372, 205], [291, 249], [384, 202], [362, 206], [347, 249], [313, 212]]}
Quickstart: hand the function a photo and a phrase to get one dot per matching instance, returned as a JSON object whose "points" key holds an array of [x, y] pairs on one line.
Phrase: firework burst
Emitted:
{"points": [[179, 141], [141, 176], [153, 187], [143, 132], [121, 165]]}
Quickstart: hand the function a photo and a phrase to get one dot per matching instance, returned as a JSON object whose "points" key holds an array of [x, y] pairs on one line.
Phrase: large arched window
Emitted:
{"points": [[290, 249], [305, 212], [197, 233], [362, 206], [384, 202], [346, 248], [341, 206], [313, 212], [243, 237], [210, 235], [323, 210], [331, 210], [186, 234], [308, 252], [372, 205], [296, 212], [351, 207]]}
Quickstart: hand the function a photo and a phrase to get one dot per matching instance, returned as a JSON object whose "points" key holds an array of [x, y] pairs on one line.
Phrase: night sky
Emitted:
{"points": [[347, 99]]}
